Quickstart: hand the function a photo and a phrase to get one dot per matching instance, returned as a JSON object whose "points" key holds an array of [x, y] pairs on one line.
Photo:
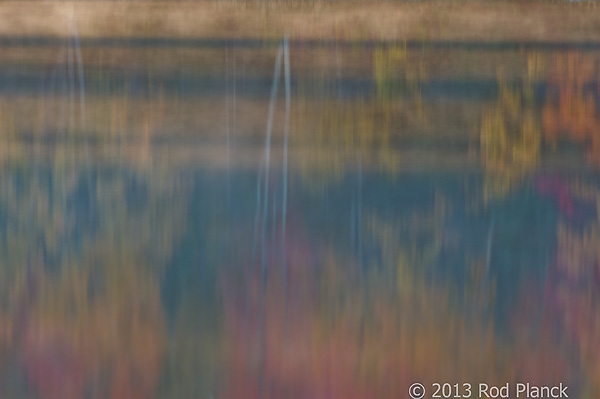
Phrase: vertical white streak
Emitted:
{"points": [[286, 52]]}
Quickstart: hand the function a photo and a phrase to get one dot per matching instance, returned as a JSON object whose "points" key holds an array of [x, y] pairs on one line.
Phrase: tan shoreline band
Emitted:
{"points": [[456, 21]]}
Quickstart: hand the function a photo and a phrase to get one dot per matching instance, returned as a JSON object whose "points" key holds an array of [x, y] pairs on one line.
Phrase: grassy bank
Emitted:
{"points": [[448, 21]]}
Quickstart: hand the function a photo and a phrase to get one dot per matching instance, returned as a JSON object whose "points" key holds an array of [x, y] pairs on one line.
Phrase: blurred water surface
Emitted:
{"points": [[432, 214]]}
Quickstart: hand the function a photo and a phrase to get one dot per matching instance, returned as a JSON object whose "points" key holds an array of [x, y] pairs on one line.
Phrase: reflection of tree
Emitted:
{"points": [[510, 139], [571, 107]]}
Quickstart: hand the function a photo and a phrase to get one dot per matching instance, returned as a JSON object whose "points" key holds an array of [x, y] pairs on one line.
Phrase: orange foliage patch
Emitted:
{"points": [[572, 109]]}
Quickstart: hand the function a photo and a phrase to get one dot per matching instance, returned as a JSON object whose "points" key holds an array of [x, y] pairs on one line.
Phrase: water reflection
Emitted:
{"points": [[433, 214]]}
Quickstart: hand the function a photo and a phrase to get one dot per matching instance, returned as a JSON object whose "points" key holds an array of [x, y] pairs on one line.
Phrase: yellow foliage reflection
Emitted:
{"points": [[510, 139]]}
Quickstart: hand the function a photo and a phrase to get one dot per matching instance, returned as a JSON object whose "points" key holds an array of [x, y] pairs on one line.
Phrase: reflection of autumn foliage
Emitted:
{"points": [[80, 300], [571, 108], [541, 356], [576, 295], [575, 284], [365, 333], [75, 331], [339, 132], [318, 357], [243, 327], [559, 190], [397, 72], [510, 139]]}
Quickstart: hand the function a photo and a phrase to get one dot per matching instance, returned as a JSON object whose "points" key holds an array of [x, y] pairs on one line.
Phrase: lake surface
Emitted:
{"points": [[431, 214]]}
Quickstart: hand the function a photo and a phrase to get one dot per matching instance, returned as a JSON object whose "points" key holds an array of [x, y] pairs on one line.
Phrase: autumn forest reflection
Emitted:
{"points": [[432, 214]]}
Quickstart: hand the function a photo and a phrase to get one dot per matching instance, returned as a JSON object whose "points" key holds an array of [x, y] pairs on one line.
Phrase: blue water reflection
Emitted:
{"points": [[432, 216]]}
